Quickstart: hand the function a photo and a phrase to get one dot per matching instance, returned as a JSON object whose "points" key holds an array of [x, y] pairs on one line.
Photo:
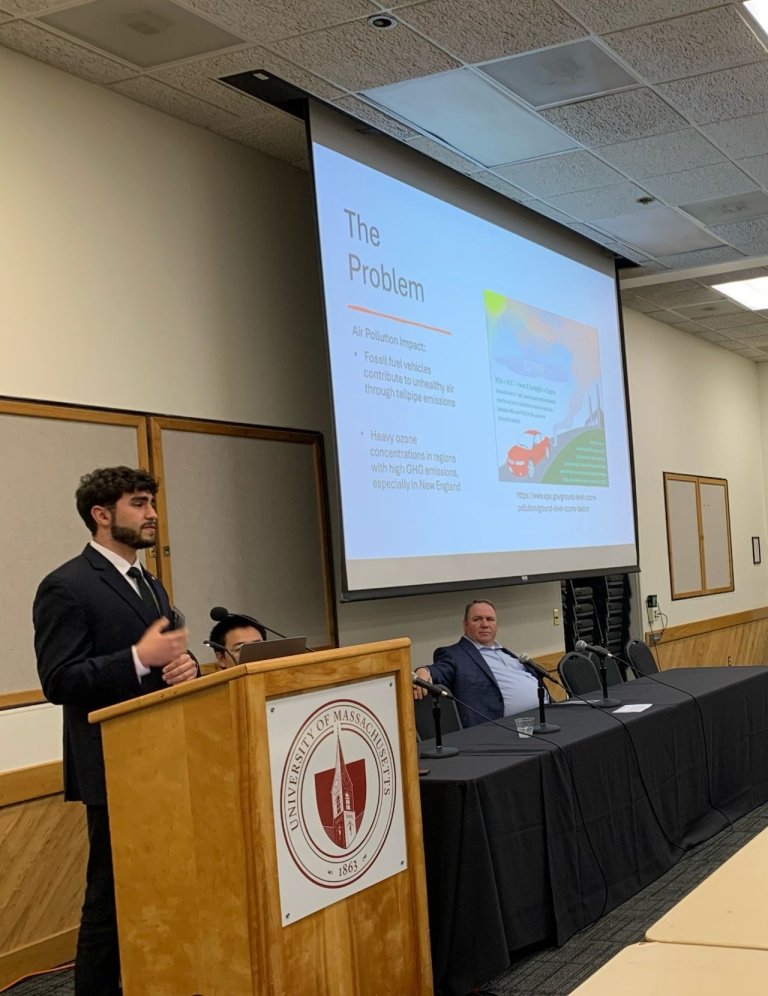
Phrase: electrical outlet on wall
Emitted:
{"points": [[652, 608]]}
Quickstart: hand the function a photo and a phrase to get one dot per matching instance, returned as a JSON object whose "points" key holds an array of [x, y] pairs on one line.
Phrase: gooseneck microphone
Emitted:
{"points": [[602, 654], [219, 614], [541, 673], [581, 646], [433, 689]]}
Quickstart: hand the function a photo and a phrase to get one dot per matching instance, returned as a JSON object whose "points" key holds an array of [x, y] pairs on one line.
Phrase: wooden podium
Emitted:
{"points": [[196, 845]]}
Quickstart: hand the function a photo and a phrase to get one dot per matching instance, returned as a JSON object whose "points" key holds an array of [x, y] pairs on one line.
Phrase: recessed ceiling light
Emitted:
{"points": [[382, 22], [752, 294]]}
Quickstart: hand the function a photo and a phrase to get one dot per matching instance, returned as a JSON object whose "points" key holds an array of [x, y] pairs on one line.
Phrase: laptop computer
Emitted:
{"points": [[266, 650]]}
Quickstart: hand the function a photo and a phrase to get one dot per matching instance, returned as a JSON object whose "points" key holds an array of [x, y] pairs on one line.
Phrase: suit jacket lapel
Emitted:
{"points": [[477, 658], [110, 575]]}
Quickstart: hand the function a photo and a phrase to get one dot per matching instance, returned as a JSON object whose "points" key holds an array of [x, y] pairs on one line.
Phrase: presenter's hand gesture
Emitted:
{"points": [[425, 675], [182, 668], [157, 648]]}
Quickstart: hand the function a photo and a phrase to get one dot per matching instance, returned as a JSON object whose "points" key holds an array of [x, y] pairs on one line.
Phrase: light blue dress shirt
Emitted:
{"points": [[518, 687]]}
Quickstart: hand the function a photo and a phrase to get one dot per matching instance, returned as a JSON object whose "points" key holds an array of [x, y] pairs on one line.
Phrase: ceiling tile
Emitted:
{"points": [[734, 322], [759, 247], [733, 346], [376, 118], [756, 167], [564, 73], [623, 116], [201, 76], [469, 113], [660, 294], [57, 51], [681, 299], [693, 328], [649, 269], [743, 232], [439, 152], [607, 15], [701, 257], [22, 8], [684, 46], [267, 21], [356, 57], [487, 29], [151, 34], [638, 303], [713, 337], [703, 311], [554, 214], [742, 137], [272, 134], [173, 102], [560, 174], [734, 207], [731, 93], [602, 202], [661, 154], [501, 186], [656, 230], [756, 340], [700, 184]]}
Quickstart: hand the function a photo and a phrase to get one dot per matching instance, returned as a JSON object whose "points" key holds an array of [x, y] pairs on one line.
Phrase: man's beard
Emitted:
{"points": [[130, 537]]}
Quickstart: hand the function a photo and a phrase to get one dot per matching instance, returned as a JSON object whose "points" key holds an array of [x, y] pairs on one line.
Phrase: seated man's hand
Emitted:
{"points": [[425, 675]]}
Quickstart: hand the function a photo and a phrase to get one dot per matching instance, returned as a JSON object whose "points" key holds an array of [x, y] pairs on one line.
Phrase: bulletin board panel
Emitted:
{"points": [[46, 449], [698, 535], [244, 524]]}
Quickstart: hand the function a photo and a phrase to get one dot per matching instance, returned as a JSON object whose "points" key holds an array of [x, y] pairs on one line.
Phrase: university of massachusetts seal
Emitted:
{"points": [[337, 793]]}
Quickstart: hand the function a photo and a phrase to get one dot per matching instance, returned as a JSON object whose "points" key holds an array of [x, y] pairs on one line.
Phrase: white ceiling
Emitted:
{"points": [[661, 106]]}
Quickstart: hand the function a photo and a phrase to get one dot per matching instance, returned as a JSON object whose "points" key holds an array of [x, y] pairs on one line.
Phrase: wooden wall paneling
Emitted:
{"points": [[737, 639], [43, 850]]}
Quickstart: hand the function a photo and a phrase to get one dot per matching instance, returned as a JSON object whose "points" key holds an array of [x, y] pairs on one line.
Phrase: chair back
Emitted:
{"points": [[613, 675], [640, 656], [425, 723], [578, 673]]}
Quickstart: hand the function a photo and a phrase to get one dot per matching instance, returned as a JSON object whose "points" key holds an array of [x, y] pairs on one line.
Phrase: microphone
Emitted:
{"points": [[215, 646], [537, 668], [218, 613], [430, 687], [581, 646], [541, 673]]}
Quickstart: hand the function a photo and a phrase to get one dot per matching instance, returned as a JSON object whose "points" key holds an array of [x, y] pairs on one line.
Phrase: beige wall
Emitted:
{"points": [[696, 409], [151, 265]]}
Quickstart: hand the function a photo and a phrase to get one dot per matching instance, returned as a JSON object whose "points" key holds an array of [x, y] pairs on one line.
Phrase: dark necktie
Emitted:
{"points": [[145, 591]]}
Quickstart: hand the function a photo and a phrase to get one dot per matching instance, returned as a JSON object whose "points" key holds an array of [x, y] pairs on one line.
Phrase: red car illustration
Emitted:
{"points": [[531, 448]]}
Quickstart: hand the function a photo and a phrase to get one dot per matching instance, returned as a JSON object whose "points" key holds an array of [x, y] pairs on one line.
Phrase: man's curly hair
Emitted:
{"points": [[106, 486]]}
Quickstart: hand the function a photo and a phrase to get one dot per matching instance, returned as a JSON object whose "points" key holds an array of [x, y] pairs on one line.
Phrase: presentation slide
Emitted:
{"points": [[478, 392]]}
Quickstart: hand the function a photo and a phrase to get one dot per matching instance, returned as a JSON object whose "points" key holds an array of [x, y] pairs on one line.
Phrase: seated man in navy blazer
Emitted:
{"points": [[480, 672]]}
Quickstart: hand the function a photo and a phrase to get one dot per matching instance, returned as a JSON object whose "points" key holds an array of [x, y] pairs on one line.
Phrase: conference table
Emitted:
{"points": [[528, 840]]}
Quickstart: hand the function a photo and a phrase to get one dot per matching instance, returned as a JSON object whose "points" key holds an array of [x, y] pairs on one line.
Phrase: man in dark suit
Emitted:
{"points": [[480, 672], [102, 635]]}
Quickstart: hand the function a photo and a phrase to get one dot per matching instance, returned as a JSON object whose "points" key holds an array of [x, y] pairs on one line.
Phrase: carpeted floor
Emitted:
{"points": [[557, 971]]}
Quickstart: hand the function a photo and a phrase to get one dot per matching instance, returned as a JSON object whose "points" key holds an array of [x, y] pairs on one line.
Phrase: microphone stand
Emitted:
{"points": [[606, 702], [543, 726], [438, 750]]}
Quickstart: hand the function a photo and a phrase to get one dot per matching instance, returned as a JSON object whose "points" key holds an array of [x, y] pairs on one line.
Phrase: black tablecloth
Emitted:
{"points": [[529, 840]]}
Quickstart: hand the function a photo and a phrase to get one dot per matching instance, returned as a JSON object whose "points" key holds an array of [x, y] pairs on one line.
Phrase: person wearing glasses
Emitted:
{"points": [[228, 636]]}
